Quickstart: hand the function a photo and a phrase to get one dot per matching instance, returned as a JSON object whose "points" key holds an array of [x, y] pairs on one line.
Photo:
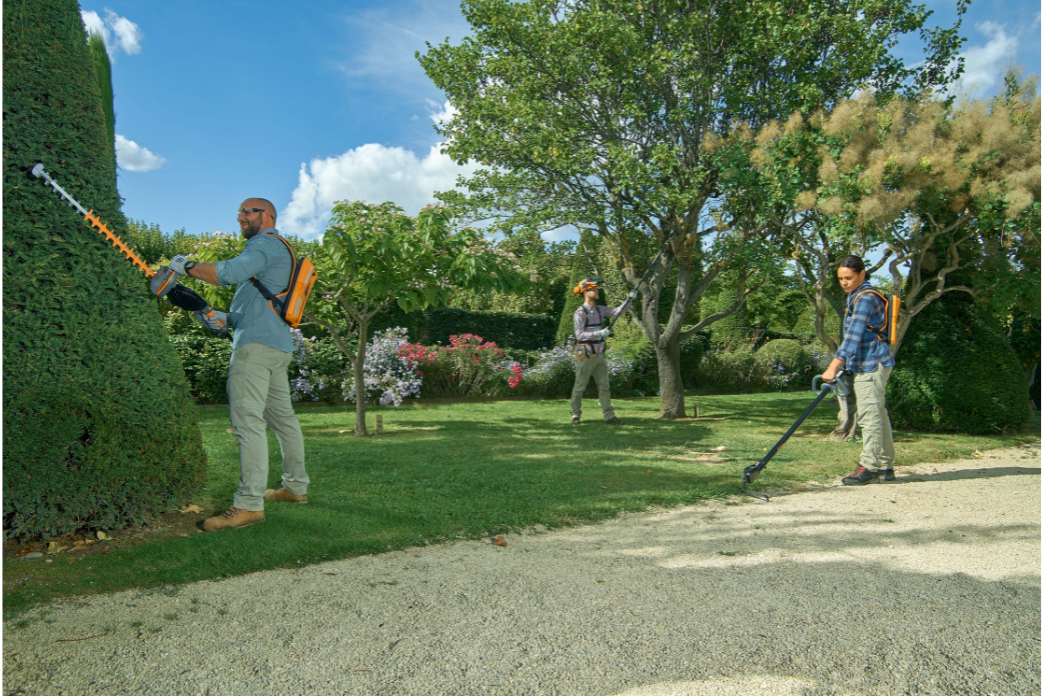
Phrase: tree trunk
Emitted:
{"points": [[847, 417], [360, 387], [668, 364]]}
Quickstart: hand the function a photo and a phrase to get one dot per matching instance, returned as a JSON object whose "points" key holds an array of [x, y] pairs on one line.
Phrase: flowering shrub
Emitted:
{"points": [[388, 377], [466, 367], [316, 369]]}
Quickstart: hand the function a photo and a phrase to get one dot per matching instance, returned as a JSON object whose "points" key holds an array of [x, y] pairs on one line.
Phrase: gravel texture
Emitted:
{"points": [[928, 585]]}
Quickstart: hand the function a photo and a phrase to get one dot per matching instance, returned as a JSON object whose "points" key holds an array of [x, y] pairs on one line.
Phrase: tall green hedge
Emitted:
{"points": [[103, 76], [99, 428], [956, 371], [507, 330]]}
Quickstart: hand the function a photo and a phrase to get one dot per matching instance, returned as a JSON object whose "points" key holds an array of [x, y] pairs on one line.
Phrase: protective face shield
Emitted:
{"points": [[586, 284]]}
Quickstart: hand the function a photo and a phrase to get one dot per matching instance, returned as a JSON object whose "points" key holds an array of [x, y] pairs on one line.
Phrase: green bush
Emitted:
{"points": [[99, 429], [205, 361], [955, 371], [727, 370], [784, 363]]}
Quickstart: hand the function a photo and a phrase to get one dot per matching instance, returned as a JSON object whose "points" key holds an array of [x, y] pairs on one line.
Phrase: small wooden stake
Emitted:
{"points": [[697, 413], [380, 422]]}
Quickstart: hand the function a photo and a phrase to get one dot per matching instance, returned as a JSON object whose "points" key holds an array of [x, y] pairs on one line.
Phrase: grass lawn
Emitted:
{"points": [[466, 470]]}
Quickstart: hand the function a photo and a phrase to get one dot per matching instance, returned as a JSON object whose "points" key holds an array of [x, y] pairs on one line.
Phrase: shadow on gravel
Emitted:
{"points": [[966, 474]]}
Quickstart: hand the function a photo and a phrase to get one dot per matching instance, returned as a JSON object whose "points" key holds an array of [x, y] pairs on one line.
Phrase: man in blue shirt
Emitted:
{"points": [[258, 388]]}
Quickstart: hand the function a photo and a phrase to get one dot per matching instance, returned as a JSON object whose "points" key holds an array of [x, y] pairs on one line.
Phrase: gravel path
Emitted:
{"points": [[928, 585]]}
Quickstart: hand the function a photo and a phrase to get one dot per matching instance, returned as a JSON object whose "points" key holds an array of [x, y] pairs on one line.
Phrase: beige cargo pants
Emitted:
{"points": [[878, 449], [259, 396]]}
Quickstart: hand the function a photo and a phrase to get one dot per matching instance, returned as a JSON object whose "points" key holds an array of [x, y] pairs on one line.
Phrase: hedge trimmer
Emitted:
{"points": [[163, 283]]}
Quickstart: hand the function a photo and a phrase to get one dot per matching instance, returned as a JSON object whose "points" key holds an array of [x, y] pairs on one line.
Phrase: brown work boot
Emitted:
{"points": [[233, 518], [614, 421], [281, 495]]}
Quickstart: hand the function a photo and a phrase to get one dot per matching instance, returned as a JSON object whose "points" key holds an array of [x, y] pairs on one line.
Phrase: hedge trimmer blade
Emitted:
{"points": [[38, 171]]}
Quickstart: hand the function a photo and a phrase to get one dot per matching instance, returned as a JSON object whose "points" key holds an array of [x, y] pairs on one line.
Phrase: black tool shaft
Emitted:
{"points": [[627, 302], [751, 472]]}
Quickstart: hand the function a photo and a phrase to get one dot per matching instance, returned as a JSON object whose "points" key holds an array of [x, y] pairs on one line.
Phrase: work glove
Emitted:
{"points": [[177, 264], [604, 333], [632, 295], [212, 319], [163, 282]]}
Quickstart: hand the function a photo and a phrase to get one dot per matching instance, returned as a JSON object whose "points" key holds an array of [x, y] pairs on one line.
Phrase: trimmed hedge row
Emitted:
{"points": [[507, 330]]}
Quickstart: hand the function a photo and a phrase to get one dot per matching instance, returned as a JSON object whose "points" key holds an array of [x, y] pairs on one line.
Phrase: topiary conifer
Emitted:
{"points": [[99, 428]]}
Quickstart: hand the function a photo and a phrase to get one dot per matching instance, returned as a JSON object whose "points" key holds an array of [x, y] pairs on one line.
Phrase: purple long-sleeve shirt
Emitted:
{"points": [[588, 321]]}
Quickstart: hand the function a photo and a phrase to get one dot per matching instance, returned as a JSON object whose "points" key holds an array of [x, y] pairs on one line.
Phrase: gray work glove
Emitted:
{"points": [[163, 282], [177, 264], [605, 332], [214, 320], [632, 295]]}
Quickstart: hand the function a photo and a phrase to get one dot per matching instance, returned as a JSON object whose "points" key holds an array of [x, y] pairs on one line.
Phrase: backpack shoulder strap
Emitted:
{"points": [[293, 262]]}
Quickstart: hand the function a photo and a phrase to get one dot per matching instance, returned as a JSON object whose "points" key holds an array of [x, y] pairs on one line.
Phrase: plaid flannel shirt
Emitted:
{"points": [[862, 350]]}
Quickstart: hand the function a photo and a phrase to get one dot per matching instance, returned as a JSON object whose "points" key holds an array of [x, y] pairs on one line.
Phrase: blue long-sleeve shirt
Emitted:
{"points": [[250, 315], [862, 350]]}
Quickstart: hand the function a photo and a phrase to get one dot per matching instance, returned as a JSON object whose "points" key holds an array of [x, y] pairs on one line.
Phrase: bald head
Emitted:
{"points": [[255, 214], [262, 203]]}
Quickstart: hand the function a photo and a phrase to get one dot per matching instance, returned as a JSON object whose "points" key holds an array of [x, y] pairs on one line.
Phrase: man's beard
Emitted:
{"points": [[251, 229]]}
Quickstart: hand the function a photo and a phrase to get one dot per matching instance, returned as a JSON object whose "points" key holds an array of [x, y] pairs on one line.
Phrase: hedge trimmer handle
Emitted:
{"points": [[837, 385]]}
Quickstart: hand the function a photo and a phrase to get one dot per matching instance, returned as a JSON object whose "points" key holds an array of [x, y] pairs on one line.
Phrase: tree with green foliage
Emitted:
{"points": [[99, 428], [375, 255], [595, 113], [549, 264], [103, 75]]}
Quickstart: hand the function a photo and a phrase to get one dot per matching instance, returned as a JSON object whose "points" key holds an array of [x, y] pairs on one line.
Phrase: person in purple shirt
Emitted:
{"points": [[589, 329], [865, 353]]}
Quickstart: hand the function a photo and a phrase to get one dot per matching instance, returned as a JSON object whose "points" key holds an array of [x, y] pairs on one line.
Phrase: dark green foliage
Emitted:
{"points": [[205, 359], [153, 246], [103, 75], [524, 331], [392, 316], [99, 429], [957, 372]]}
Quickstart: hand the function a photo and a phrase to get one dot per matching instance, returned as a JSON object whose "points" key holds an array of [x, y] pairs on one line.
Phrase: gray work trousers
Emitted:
{"points": [[259, 395], [595, 366]]}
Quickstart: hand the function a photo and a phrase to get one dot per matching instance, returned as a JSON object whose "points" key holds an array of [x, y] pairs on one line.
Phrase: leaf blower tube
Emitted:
{"points": [[634, 293], [821, 389], [163, 284]]}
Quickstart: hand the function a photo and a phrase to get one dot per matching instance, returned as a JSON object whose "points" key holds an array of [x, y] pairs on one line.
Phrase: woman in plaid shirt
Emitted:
{"points": [[865, 353]]}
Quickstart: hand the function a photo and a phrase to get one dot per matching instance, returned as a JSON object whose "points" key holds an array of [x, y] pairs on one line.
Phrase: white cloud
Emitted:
{"points": [[118, 33], [134, 157], [984, 65], [441, 114], [374, 173], [383, 42]]}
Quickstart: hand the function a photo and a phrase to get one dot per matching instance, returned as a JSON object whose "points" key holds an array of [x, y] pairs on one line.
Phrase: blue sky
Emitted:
{"points": [[307, 103]]}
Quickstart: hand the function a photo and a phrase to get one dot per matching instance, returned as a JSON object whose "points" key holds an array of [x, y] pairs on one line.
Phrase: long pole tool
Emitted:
{"points": [[750, 474], [641, 280]]}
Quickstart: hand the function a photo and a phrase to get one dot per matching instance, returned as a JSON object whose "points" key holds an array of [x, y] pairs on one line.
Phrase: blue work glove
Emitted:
{"points": [[605, 332], [177, 264], [632, 295], [212, 319]]}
